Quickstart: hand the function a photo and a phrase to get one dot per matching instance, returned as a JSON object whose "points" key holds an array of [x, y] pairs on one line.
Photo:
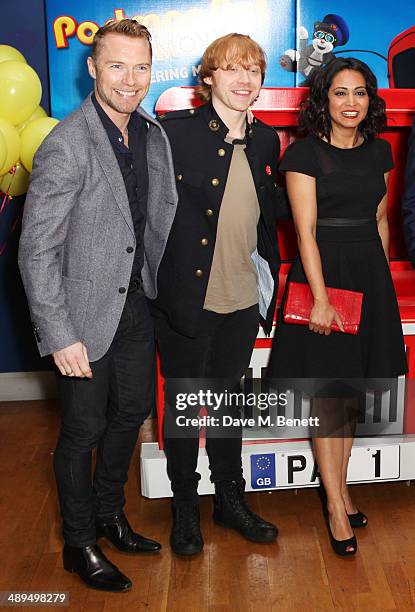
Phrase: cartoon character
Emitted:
{"points": [[327, 34]]}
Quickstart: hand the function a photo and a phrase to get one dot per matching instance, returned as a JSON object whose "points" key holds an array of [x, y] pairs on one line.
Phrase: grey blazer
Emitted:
{"points": [[77, 226]]}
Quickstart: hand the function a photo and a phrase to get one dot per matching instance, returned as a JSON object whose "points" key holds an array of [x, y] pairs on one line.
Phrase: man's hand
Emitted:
{"points": [[73, 361]]}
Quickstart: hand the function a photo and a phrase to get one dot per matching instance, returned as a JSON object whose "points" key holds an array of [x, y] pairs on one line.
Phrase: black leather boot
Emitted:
{"points": [[186, 538], [90, 563], [230, 510], [119, 532]]}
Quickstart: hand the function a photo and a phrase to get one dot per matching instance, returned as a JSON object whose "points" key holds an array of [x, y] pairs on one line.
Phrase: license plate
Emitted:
{"points": [[366, 463], [374, 463]]}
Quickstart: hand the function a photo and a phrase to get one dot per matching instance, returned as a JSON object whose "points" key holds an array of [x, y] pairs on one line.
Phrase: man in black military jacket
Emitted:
{"points": [[219, 275]]}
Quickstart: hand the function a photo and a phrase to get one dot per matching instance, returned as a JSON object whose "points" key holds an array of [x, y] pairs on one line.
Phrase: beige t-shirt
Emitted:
{"points": [[233, 282]]}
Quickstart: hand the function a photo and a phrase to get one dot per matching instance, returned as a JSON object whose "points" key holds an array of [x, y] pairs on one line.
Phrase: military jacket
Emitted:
{"points": [[201, 161]]}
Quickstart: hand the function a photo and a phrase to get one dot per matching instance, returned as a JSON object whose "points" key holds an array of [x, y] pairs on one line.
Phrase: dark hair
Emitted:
{"points": [[314, 115]]}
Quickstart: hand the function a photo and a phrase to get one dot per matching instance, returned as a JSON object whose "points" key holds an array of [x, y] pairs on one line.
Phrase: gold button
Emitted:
{"points": [[215, 182], [191, 111], [199, 273], [179, 177], [204, 242], [221, 152], [209, 212], [214, 125], [250, 133]]}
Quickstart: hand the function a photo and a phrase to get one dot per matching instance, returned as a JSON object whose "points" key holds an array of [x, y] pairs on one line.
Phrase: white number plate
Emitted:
{"points": [[366, 463], [374, 463]]}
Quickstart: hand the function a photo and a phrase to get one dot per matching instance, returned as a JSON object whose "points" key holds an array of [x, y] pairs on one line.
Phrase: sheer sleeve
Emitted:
{"points": [[385, 155], [300, 156]]}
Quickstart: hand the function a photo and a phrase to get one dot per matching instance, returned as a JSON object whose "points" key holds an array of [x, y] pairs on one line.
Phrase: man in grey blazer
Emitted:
{"points": [[98, 213]]}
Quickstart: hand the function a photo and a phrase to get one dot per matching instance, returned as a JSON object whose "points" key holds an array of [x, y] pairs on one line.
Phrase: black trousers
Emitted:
{"points": [[105, 413], [221, 351]]}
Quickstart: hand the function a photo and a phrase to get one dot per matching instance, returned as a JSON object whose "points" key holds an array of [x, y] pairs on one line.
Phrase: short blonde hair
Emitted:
{"points": [[225, 51], [127, 27]]}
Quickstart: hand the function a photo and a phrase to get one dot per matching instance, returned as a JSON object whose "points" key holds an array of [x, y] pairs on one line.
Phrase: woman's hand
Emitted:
{"points": [[322, 316]]}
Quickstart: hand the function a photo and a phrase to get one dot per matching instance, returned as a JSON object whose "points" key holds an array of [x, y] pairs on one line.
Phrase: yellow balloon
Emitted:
{"points": [[37, 114], [21, 91], [32, 136], [10, 53], [3, 150], [16, 181], [12, 139]]}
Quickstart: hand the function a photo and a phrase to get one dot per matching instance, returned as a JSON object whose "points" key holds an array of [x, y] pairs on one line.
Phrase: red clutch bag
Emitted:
{"points": [[300, 301]]}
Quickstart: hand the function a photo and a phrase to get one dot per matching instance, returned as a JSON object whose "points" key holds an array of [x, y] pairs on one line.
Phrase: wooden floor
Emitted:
{"points": [[299, 572]]}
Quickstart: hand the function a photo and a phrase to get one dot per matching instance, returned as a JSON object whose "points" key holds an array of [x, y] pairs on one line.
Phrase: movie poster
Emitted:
{"points": [[181, 30], [378, 32], [297, 35]]}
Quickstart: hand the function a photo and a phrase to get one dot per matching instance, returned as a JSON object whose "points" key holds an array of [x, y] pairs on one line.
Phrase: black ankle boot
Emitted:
{"points": [[90, 563], [186, 538], [118, 531], [230, 510]]}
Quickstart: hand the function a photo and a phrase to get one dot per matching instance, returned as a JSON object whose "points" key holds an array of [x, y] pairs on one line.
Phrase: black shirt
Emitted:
{"points": [[349, 182], [132, 161]]}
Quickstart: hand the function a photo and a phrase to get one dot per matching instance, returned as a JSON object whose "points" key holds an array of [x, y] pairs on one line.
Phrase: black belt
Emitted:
{"points": [[135, 284], [350, 222]]}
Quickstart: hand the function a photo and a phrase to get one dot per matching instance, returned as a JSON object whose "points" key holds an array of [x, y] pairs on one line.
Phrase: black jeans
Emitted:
{"points": [[222, 350], [105, 413]]}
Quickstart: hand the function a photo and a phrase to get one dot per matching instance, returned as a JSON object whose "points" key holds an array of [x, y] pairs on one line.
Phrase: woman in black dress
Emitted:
{"points": [[337, 184]]}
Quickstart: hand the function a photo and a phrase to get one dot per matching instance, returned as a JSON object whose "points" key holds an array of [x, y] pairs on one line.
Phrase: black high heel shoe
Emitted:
{"points": [[357, 519], [340, 546]]}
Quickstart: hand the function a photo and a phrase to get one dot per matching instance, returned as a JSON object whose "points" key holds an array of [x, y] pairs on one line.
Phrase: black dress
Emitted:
{"points": [[350, 185]]}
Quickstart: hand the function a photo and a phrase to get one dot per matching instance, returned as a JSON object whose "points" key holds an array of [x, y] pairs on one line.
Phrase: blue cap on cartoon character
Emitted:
{"points": [[333, 30]]}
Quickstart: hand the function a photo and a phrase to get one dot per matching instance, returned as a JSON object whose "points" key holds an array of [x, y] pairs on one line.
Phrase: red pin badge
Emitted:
{"points": [[268, 170]]}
